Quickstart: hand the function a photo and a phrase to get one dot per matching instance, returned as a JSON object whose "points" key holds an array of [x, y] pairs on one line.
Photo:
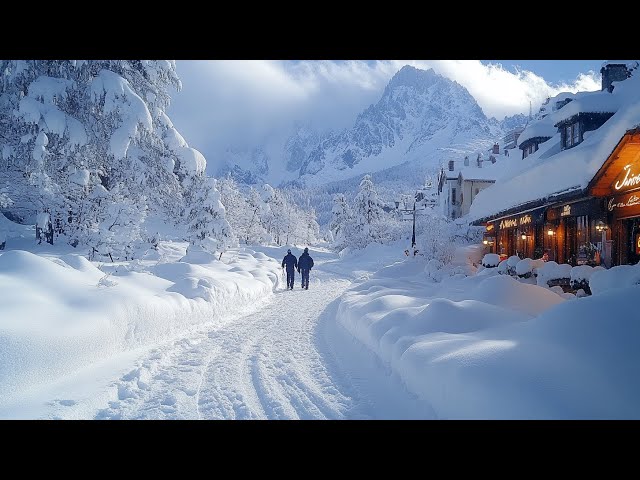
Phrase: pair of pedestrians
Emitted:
{"points": [[304, 264]]}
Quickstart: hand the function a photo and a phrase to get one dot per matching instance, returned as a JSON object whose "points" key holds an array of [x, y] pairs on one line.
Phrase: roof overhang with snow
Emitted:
{"points": [[602, 116], [620, 173], [531, 141]]}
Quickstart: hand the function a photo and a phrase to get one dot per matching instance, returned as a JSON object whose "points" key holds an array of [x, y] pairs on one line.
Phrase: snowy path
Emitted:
{"points": [[289, 360]]}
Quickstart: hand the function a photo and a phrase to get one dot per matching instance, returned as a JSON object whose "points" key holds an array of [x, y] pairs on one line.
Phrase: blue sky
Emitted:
{"points": [[554, 71], [246, 103]]}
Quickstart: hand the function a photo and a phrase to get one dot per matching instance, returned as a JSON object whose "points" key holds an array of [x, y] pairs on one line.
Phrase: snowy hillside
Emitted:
{"points": [[420, 118]]}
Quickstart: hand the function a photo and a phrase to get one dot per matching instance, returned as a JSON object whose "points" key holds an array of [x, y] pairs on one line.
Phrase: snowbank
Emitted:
{"points": [[62, 313], [496, 348], [615, 278]]}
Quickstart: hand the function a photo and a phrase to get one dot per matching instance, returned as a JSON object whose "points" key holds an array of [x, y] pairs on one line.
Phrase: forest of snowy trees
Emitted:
{"points": [[266, 215], [90, 158], [88, 154], [364, 221]]}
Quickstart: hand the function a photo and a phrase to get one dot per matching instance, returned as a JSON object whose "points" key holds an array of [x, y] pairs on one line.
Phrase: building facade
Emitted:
{"points": [[597, 223]]}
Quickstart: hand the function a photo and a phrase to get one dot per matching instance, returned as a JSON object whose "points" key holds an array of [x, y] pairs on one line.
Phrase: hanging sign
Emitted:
{"points": [[566, 211], [490, 227]]}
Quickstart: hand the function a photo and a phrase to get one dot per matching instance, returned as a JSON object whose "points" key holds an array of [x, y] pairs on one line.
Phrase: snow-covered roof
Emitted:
{"points": [[484, 173], [545, 173], [592, 102], [541, 128]]}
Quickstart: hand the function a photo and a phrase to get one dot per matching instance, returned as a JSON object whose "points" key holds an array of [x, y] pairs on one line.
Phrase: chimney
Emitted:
{"points": [[466, 161], [496, 149], [613, 72]]}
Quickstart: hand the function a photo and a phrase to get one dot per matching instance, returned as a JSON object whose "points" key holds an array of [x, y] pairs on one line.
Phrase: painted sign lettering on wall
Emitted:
{"points": [[627, 179], [510, 223], [566, 211], [623, 202], [525, 220]]}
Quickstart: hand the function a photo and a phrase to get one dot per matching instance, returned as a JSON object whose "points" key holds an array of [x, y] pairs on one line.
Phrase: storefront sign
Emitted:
{"points": [[521, 221], [624, 201], [577, 209], [628, 179], [510, 223], [490, 227]]}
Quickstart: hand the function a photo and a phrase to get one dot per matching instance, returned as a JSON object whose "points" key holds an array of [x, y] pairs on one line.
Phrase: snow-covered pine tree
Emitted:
{"points": [[208, 227], [367, 211], [341, 220], [102, 122]]}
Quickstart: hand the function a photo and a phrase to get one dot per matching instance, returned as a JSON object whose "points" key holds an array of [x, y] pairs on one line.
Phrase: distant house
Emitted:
{"points": [[510, 140], [535, 134], [459, 184]]}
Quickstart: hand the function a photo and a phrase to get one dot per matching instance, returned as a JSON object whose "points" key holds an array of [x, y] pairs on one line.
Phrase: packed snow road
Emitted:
{"points": [[288, 360]]}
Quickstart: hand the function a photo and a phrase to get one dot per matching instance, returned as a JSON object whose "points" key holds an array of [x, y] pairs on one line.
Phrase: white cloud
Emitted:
{"points": [[225, 103]]}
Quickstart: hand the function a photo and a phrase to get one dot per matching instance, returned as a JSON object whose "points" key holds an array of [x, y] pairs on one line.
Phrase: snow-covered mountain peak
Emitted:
{"points": [[419, 117]]}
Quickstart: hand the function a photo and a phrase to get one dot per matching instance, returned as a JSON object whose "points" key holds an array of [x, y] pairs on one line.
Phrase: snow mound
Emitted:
{"points": [[552, 271], [507, 292], [512, 261], [524, 266], [491, 260], [61, 314], [615, 278]]}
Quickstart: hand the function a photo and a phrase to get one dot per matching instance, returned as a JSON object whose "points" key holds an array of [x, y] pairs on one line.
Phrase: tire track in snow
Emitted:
{"points": [[287, 360]]}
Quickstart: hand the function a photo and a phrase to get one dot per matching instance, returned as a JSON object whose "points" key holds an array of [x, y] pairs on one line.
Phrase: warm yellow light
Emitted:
{"points": [[485, 242], [550, 232], [524, 237]]}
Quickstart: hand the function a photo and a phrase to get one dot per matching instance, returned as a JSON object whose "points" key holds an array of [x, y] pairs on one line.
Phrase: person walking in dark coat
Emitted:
{"points": [[291, 262], [305, 264]]}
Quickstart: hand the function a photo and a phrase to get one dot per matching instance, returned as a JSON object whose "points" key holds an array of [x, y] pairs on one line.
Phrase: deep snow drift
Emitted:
{"points": [[61, 312], [488, 346]]}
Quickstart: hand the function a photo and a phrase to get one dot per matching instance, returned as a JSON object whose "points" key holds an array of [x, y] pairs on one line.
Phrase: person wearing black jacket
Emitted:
{"points": [[305, 264], [291, 262]]}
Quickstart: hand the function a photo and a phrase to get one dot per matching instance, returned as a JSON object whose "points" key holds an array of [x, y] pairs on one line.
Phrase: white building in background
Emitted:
{"points": [[460, 181]]}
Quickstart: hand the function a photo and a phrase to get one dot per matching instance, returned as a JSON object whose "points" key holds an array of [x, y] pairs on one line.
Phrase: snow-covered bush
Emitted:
{"points": [[554, 273], [524, 268], [503, 267], [491, 260], [580, 277], [433, 270], [512, 261], [535, 265]]}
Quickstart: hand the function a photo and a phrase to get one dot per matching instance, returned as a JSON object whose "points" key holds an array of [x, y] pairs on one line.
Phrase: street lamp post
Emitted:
{"points": [[413, 237]]}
